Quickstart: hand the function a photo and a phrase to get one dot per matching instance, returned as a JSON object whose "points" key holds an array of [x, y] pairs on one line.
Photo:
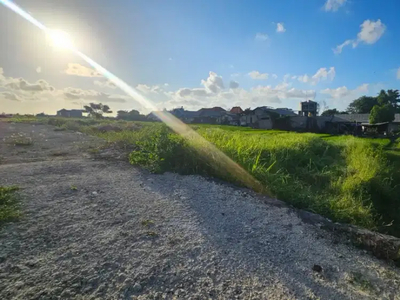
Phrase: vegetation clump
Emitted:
{"points": [[9, 206]]}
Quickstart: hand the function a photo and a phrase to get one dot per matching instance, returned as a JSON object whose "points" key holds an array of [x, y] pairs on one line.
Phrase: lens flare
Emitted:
{"points": [[60, 39], [217, 158]]}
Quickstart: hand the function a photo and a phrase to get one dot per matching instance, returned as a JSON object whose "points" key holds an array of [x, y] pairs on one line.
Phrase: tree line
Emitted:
{"points": [[97, 110], [382, 108]]}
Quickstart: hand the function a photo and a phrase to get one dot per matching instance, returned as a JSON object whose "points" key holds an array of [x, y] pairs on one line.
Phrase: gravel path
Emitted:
{"points": [[97, 229]]}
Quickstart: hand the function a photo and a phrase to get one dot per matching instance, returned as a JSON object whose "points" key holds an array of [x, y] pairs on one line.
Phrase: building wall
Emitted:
{"points": [[75, 114], [394, 127], [265, 124], [298, 122]]}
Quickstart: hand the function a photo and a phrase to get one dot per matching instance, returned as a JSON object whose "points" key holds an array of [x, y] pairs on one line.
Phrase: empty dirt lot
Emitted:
{"points": [[103, 229]]}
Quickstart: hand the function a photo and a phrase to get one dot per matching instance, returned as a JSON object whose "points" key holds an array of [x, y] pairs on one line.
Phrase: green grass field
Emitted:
{"points": [[348, 179]]}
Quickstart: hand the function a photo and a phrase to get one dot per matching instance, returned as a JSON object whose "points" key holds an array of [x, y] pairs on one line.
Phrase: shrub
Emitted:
{"points": [[72, 125]]}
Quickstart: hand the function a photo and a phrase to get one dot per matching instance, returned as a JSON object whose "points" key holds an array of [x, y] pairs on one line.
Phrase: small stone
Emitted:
{"points": [[121, 278], [30, 264], [317, 268], [137, 287], [19, 284], [94, 193]]}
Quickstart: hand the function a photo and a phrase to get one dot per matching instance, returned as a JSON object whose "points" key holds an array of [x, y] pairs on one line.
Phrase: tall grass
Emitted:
{"points": [[348, 180]]}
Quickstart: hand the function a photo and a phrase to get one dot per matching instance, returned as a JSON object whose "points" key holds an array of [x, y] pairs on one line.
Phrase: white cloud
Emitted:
{"points": [[398, 73], [105, 84], [280, 28], [19, 89], [303, 78], [79, 70], [334, 5], [91, 95], [213, 83], [274, 76], [235, 75], [166, 84], [370, 33], [344, 92], [286, 77], [261, 37], [233, 84], [20, 84], [339, 48], [320, 75], [149, 89], [10, 96], [258, 75], [39, 70]]}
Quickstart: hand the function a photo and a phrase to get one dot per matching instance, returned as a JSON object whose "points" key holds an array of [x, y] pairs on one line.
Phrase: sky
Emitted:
{"points": [[200, 53]]}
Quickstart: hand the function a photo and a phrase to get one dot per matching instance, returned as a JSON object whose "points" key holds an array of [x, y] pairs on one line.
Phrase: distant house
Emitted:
{"points": [[308, 108], [153, 116], [236, 110], [262, 117], [357, 118], [71, 113], [363, 120], [216, 108], [229, 119], [186, 116], [210, 115]]}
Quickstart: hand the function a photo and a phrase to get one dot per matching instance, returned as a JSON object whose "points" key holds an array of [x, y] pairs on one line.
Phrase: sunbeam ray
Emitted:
{"points": [[204, 147]]}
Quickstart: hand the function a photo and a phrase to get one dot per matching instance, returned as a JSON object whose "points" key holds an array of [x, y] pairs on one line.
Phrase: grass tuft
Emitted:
{"points": [[9, 206]]}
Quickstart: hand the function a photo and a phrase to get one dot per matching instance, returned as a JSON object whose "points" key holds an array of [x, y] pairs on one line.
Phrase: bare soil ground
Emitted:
{"points": [[103, 229]]}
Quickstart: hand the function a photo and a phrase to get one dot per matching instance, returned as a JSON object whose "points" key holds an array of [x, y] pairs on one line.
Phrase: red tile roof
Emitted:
{"points": [[236, 110]]}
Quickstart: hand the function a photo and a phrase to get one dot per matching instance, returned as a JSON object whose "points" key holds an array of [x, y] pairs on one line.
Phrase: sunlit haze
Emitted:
{"points": [[60, 39]]}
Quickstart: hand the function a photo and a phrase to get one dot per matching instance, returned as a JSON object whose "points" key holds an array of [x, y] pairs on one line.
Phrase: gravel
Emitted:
{"points": [[103, 229]]}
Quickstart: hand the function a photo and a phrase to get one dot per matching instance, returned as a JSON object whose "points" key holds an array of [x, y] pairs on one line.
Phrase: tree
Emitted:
{"points": [[132, 115], [382, 113], [330, 112], [391, 97], [362, 105], [97, 110], [247, 111]]}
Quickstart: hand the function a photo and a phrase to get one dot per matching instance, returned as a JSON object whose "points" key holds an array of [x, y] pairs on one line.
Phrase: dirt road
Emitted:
{"points": [[98, 229]]}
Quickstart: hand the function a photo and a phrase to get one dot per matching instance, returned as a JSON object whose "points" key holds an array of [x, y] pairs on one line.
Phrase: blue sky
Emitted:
{"points": [[201, 53]]}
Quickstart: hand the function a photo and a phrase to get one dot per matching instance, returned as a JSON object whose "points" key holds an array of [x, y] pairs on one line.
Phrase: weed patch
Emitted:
{"points": [[9, 206], [19, 139]]}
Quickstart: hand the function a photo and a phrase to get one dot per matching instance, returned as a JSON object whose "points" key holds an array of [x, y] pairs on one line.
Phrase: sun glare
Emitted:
{"points": [[60, 39]]}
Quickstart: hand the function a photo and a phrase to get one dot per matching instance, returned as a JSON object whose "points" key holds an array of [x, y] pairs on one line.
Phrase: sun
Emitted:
{"points": [[60, 39]]}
